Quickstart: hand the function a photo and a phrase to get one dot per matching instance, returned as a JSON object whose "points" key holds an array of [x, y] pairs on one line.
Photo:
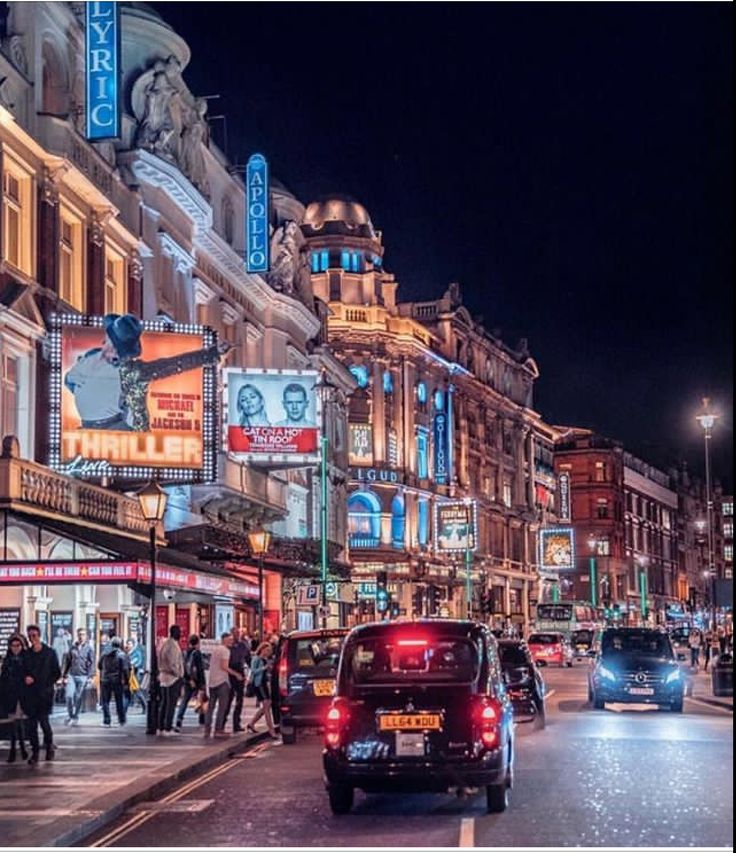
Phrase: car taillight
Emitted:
{"points": [[487, 720], [335, 724], [283, 679]]}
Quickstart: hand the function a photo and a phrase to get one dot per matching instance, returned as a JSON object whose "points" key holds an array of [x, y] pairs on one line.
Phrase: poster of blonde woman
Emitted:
{"points": [[272, 414]]}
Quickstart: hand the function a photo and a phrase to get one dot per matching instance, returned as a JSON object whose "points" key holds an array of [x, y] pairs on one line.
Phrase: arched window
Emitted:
{"points": [[398, 521], [364, 520], [55, 82]]}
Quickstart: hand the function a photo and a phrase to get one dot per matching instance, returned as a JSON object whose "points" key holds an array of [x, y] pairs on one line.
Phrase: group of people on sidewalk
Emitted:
{"points": [[713, 644], [238, 666]]}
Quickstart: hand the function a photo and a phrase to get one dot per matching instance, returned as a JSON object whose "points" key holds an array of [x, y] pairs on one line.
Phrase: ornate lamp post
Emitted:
{"points": [[593, 548], [707, 421], [259, 540], [643, 562], [153, 506]]}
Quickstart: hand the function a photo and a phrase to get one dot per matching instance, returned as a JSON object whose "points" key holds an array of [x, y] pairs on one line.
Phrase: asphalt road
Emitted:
{"points": [[626, 776]]}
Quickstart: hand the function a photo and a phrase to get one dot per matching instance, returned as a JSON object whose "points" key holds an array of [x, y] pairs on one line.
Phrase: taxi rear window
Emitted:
{"points": [[381, 660], [316, 654]]}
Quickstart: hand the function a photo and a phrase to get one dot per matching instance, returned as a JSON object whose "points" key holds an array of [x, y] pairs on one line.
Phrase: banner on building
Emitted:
{"points": [[102, 69], [360, 451], [456, 526], [557, 548], [272, 415], [257, 214], [132, 399]]}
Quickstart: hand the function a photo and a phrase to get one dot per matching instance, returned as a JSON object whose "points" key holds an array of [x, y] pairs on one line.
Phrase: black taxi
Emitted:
{"points": [[420, 706], [307, 669]]}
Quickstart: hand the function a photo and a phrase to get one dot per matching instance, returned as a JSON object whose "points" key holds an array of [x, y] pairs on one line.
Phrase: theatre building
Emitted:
{"points": [[442, 413], [151, 224]]}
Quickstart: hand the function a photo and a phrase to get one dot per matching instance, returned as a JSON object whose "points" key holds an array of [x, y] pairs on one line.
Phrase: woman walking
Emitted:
{"points": [[259, 680], [11, 687]]}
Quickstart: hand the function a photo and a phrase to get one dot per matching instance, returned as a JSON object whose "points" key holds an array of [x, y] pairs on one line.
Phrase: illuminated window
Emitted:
{"points": [[71, 259], [315, 261], [507, 494], [115, 285], [388, 382], [355, 264], [603, 546], [728, 529], [398, 521], [421, 392], [728, 553], [439, 400], [727, 508], [422, 453], [345, 259], [393, 448], [320, 260], [9, 395], [602, 508], [364, 520], [360, 372], [423, 520], [17, 215], [600, 472]]}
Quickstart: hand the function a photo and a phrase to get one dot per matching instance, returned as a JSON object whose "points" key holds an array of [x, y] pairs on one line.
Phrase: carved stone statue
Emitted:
{"points": [[284, 257], [193, 138], [157, 131]]}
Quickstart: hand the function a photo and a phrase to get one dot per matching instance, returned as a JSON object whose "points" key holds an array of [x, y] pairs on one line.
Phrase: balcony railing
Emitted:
{"points": [[28, 487]]}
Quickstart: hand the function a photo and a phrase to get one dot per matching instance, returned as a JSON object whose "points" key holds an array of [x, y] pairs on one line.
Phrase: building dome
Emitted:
{"points": [[339, 213]]}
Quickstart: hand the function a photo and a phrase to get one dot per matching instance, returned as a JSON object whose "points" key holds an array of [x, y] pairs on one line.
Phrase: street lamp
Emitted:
{"points": [[259, 541], [153, 506], [707, 420], [643, 562], [593, 548], [324, 389]]}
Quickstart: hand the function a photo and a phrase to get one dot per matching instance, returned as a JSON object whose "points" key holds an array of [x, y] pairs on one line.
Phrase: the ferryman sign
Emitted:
{"points": [[257, 199]]}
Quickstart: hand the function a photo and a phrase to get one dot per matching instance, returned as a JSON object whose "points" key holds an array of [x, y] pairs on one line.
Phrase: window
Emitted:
{"points": [[9, 395], [423, 520], [320, 260], [388, 382], [728, 553], [507, 494], [115, 289], [422, 438], [17, 215], [71, 259], [727, 507], [421, 392], [728, 529], [393, 448], [355, 262], [439, 400], [345, 260], [315, 261], [360, 372], [364, 520], [603, 547], [600, 472], [398, 521], [602, 508]]}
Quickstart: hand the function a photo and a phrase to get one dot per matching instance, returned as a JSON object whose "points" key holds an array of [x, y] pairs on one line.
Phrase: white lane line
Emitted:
{"points": [[467, 832]]}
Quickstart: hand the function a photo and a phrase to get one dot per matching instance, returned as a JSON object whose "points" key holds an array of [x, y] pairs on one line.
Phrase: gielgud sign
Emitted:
{"points": [[133, 399]]}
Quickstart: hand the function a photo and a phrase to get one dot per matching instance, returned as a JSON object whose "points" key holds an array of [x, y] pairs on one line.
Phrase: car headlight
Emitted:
{"points": [[604, 672], [673, 676]]}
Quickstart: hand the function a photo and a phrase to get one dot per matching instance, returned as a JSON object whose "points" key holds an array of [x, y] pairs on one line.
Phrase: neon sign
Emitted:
{"points": [[102, 64], [257, 201]]}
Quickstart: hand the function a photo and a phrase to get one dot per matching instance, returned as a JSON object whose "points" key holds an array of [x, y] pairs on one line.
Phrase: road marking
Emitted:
{"points": [[467, 832], [139, 819], [708, 705]]}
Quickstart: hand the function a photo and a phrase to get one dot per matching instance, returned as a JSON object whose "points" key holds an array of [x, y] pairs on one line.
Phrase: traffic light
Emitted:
{"points": [[607, 612], [394, 609], [417, 601], [616, 612], [382, 596], [433, 599]]}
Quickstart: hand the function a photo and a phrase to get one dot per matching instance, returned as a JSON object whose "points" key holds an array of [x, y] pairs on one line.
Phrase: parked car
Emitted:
{"points": [[307, 670], [550, 647], [419, 706], [524, 682], [636, 665]]}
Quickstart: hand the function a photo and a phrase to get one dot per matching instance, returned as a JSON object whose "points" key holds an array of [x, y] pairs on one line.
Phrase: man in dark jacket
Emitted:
{"points": [[42, 673], [114, 674], [78, 668], [194, 680], [239, 660]]}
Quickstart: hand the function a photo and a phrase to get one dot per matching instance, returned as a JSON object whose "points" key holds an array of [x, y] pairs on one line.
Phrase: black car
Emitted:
{"points": [[524, 682], [419, 706], [636, 665], [307, 670]]}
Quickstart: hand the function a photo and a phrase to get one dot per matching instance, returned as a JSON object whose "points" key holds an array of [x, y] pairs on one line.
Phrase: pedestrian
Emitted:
{"points": [[194, 681], [170, 675], [12, 677], [259, 678], [114, 669], [240, 656], [694, 643], [220, 686], [707, 641], [277, 642], [77, 669], [721, 640], [137, 659], [715, 646], [42, 671]]}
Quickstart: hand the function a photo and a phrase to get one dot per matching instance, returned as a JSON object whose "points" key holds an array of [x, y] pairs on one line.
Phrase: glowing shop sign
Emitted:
{"points": [[102, 63], [563, 482], [257, 200]]}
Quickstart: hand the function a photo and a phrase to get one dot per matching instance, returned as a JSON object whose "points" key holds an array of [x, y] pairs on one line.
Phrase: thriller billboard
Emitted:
{"points": [[133, 399], [272, 415]]}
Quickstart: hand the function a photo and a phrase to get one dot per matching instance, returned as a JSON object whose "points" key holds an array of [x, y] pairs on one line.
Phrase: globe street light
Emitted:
{"points": [[153, 506], [259, 541], [707, 420]]}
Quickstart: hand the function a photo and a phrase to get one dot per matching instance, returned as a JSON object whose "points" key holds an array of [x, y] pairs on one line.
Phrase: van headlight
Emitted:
{"points": [[672, 677]]}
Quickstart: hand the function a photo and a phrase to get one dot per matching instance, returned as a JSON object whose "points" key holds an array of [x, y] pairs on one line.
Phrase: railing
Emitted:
{"points": [[254, 484], [28, 486], [364, 542]]}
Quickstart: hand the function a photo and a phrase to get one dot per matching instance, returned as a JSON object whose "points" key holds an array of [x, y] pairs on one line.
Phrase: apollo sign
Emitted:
{"points": [[257, 202], [102, 63]]}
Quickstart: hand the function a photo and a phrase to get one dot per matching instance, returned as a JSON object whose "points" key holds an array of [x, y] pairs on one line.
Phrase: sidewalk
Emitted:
{"points": [[99, 773], [699, 686]]}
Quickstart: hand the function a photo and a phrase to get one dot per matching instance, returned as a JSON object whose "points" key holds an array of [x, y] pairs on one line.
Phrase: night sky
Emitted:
{"points": [[569, 165]]}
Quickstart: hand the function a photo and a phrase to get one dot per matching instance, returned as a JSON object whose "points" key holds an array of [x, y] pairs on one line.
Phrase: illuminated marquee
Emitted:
{"points": [[557, 548], [257, 203], [132, 399], [102, 64], [456, 526], [563, 483]]}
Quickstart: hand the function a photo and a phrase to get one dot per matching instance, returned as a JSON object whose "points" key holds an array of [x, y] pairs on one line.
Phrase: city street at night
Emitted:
{"points": [[619, 777]]}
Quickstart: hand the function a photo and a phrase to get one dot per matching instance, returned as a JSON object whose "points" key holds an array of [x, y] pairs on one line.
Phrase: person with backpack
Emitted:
{"points": [[114, 675], [194, 680]]}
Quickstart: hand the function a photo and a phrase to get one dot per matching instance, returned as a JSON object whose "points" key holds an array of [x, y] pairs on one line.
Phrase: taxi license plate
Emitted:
{"points": [[641, 691], [323, 687], [409, 722]]}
